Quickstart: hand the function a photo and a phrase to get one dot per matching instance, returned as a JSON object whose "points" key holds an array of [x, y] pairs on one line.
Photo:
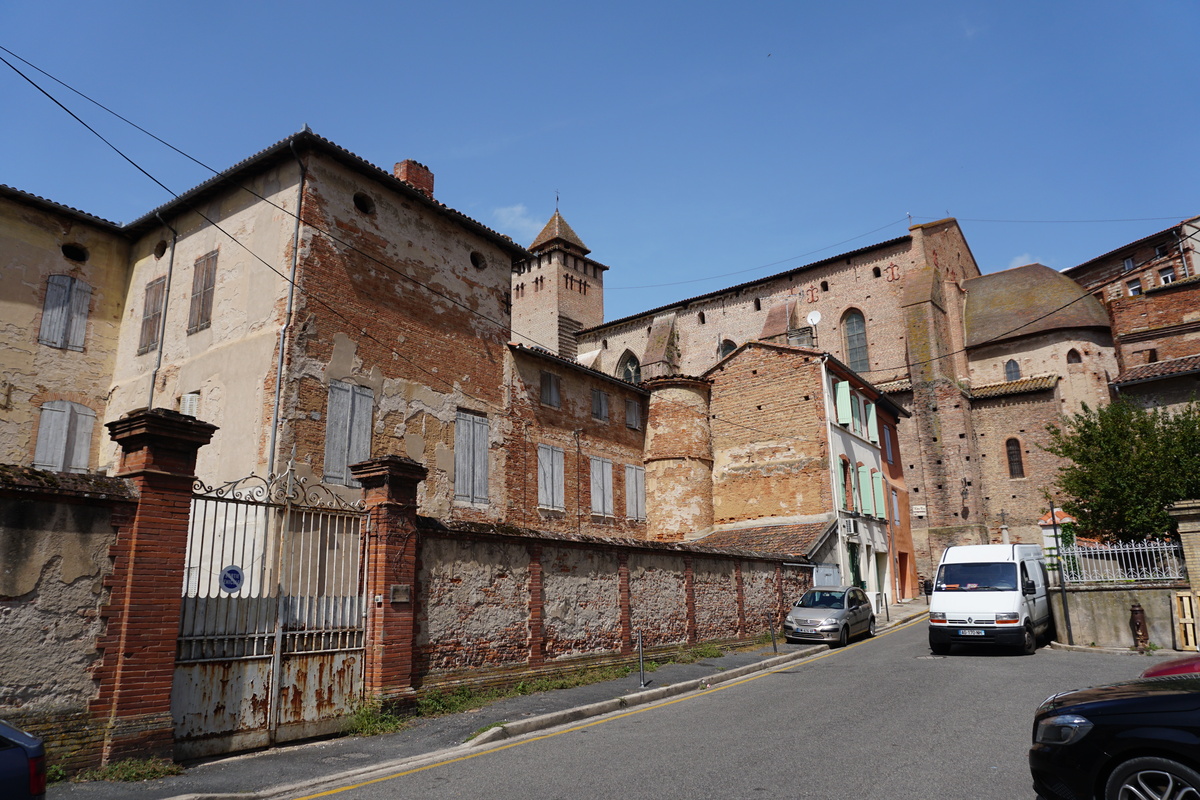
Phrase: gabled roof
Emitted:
{"points": [[58, 208], [1026, 300], [1159, 370], [1036, 383], [546, 355], [283, 150], [792, 541], [1104, 256], [557, 230]]}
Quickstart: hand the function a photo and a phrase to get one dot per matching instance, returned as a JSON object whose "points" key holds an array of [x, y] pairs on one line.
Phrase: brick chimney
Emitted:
{"points": [[415, 174]]}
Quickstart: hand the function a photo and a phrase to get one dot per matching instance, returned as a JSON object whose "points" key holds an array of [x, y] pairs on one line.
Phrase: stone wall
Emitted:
{"points": [[1100, 615]]}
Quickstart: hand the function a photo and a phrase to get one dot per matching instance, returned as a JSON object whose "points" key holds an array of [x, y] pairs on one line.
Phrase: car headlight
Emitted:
{"points": [[1064, 729], [937, 616], [1007, 618]]}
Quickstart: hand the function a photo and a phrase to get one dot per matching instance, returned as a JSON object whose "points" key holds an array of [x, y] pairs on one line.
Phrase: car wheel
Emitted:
{"points": [[871, 628], [1154, 779], [843, 636], [1029, 643], [939, 648]]}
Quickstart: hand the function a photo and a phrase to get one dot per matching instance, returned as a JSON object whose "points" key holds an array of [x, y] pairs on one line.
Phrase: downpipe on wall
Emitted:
{"points": [[287, 318], [166, 304]]}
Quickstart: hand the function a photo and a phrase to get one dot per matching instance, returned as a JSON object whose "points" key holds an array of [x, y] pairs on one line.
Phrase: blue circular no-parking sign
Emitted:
{"points": [[232, 578]]}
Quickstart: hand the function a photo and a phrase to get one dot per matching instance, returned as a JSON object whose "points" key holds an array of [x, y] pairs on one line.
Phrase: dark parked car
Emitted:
{"points": [[1176, 666], [830, 614], [1128, 741], [22, 764]]}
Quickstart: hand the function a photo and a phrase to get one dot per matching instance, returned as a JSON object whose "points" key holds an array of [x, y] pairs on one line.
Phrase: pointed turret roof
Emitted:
{"points": [[557, 231]]}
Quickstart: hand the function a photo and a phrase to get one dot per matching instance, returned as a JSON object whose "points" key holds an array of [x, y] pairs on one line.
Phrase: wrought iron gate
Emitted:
{"points": [[271, 630]]}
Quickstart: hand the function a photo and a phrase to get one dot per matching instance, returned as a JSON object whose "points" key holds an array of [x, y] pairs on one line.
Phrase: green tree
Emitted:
{"points": [[1125, 465]]}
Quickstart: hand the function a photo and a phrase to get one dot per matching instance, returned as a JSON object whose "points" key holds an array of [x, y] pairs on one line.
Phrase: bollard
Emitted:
{"points": [[1137, 625]]}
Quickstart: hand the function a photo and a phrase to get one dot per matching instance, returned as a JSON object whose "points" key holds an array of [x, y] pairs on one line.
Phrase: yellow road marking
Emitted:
{"points": [[610, 718]]}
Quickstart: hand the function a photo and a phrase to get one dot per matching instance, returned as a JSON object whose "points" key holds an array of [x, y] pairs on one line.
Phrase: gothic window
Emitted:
{"points": [[1016, 468], [1012, 370], [629, 369], [1073, 357], [727, 347], [854, 328]]}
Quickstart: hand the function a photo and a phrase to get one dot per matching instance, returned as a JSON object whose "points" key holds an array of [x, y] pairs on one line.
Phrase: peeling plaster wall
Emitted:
{"points": [[31, 373], [398, 305], [658, 599], [476, 609], [581, 595], [231, 363], [53, 561]]}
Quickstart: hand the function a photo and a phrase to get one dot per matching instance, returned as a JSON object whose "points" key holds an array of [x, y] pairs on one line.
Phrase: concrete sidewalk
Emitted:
{"points": [[295, 770]]}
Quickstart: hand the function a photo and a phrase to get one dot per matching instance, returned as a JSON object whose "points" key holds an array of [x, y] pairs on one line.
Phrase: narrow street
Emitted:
{"points": [[881, 719]]}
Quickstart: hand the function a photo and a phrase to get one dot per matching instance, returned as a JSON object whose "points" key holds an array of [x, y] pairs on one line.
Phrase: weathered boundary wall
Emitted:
{"points": [[55, 534], [1100, 614], [495, 608]]}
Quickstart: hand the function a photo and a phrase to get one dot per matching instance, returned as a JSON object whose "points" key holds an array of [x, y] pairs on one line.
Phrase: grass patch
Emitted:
{"points": [[131, 770], [697, 653], [370, 718], [485, 729], [55, 773]]}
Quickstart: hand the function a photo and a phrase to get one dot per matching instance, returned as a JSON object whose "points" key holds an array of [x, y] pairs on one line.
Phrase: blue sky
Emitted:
{"points": [[692, 145]]}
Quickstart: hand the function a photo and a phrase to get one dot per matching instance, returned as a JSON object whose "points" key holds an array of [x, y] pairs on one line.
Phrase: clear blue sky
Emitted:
{"points": [[693, 145]]}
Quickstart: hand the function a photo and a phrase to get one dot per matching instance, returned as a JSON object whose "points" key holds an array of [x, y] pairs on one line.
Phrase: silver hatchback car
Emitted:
{"points": [[832, 614]]}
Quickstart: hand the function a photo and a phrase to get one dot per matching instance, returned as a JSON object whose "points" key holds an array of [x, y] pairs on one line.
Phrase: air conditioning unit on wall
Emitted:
{"points": [[850, 526]]}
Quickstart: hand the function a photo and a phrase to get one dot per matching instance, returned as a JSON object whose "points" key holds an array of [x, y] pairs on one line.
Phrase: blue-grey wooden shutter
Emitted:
{"points": [[79, 438], [53, 425], [479, 467], [362, 401], [81, 298], [56, 311], [545, 476], [337, 432], [560, 493], [463, 454], [597, 468]]}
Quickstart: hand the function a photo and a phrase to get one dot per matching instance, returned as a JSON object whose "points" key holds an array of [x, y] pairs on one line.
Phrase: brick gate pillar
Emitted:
{"points": [[137, 648], [390, 492], [1187, 515]]}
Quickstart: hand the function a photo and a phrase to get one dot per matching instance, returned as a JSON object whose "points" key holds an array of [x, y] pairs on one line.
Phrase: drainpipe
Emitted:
{"points": [[287, 319], [1183, 259], [837, 514], [162, 322]]}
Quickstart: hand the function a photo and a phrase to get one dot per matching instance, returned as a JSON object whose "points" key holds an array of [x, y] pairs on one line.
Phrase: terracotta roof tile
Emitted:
{"points": [[1036, 383], [1024, 301], [1170, 368], [788, 540], [557, 229], [892, 387]]}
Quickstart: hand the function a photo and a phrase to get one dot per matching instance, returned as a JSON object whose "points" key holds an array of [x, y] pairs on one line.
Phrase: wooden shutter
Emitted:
{"points": [[152, 315], [840, 474], [842, 394], [865, 494], [56, 311], [463, 454], [479, 467], [81, 299], [204, 279], [337, 432], [597, 470], [633, 414], [872, 424], [560, 494], [358, 448], [53, 424], [79, 438], [545, 476], [635, 492], [880, 500]]}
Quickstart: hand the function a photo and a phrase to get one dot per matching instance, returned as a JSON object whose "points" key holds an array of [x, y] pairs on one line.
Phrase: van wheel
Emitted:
{"points": [[1029, 643]]}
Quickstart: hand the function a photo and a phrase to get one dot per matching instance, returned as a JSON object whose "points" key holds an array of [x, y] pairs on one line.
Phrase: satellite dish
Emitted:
{"points": [[814, 317]]}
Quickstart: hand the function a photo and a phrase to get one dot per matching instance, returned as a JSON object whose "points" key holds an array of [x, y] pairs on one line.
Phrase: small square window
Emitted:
{"points": [[1166, 275], [550, 390], [1128, 264], [1160, 251], [1134, 287]]}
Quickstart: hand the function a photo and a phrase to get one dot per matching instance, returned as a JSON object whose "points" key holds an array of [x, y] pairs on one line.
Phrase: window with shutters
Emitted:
{"points": [[635, 492], [152, 311], [551, 492], [204, 279], [602, 486], [599, 405], [633, 415], [64, 312], [551, 395], [347, 430], [64, 438], [471, 458]]}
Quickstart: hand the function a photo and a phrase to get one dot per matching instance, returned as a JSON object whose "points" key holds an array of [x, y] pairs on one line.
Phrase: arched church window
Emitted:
{"points": [[1016, 467], [1012, 370], [854, 329], [1073, 356], [629, 369], [727, 347]]}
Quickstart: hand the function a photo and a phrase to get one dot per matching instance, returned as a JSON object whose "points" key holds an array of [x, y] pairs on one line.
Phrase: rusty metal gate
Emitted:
{"points": [[271, 630]]}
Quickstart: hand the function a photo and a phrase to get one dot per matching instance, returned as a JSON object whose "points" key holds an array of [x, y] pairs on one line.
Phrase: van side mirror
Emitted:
{"points": [[1028, 587]]}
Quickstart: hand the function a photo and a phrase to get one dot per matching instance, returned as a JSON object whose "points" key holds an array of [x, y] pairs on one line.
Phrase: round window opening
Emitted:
{"points": [[364, 203], [478, 260], [75, 252], [160, 249]]}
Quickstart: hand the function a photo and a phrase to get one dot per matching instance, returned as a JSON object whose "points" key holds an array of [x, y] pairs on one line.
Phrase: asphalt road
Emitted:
{"points": [[880, 719]]}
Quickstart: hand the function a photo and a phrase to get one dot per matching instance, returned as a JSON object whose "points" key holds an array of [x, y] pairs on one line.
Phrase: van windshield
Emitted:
{"points": [[983, 577]]}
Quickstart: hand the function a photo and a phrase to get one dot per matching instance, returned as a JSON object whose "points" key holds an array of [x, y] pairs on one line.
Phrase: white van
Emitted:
{"points": [[990, 594]]}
